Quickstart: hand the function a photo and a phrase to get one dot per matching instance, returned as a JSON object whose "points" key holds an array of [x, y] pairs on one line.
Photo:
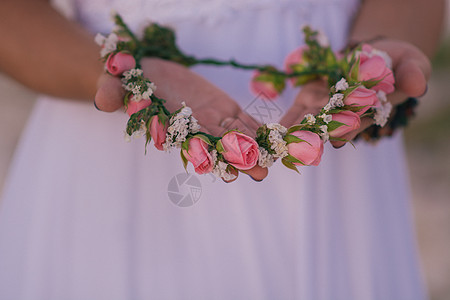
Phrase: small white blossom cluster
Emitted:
{"points": [[220, 168], [310, 119], [180, 126], [324, 133], [337, 100], [324, 128], [265, 159], [278, 144], [133, 81], [383, 110], [341, 85], [137, 134], [108, 43]]}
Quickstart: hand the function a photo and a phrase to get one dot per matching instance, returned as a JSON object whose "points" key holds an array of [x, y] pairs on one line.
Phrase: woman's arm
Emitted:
{"points": [[52, 55], [414, 21], [46, 52]]}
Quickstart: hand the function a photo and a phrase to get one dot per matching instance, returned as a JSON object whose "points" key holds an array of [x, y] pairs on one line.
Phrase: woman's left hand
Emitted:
{"points": [[412, 70]]}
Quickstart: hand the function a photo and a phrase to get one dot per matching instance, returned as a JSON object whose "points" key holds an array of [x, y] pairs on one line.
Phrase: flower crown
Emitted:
{"points": [[359, 81]]}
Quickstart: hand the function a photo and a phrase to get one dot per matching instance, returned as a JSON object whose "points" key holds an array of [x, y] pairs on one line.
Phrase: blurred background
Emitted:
{"points": [[428, 152]]}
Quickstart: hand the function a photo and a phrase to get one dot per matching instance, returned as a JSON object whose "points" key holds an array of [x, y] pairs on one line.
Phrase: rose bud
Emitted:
{"points": [[308, 152], [199, 156], [362, 97], [374, 67], [120, 62], [350, 120], [241, 151], [135, 106], [266, 87], [158, 131]]}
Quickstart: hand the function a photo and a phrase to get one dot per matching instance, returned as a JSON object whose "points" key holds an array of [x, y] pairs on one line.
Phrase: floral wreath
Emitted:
{"points": [[359, 81]]}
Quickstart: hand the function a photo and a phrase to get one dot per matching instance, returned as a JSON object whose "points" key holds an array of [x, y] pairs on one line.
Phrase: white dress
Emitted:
{"points": [[87, 216]]}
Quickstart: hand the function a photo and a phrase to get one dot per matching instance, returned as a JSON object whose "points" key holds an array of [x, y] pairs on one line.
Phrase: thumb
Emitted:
{"points": [[411, 76], [109, 96]]}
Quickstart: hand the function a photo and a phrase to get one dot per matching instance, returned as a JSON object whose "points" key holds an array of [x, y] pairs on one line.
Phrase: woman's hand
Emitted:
{"points": [[412, 71], [212, 107]]}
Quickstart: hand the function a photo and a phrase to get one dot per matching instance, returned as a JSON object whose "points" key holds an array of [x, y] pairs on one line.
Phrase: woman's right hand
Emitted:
{"points": [[212, 107]]}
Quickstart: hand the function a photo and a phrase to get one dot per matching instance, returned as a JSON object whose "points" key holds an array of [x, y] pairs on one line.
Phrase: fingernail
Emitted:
{"points": [[226, 122], [338, 147], [96, 107], [257, 180]]}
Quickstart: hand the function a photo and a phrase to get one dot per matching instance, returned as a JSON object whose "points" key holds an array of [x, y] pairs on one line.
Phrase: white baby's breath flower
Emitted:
{"points": [[310, 119], [220, 170], [278, 127], [382, 113], [382, 96], [137, 134], [100, 39], [324, 133], [278, 144], [341, 85], [265, 159], [328, 107], [180, 126], [126, 137], [108, 44], [326, 118], [194, 127]]}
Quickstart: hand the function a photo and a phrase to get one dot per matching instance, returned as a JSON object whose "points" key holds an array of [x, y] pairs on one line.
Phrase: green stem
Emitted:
{"points": [[119, 22], [267, 69]]}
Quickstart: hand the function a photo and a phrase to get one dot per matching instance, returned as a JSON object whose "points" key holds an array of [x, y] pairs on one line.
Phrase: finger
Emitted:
{"points": [[310, 100], [411, 77], [109, 96], [257, 173], [235, 123], [235, 173], [249, 121]]}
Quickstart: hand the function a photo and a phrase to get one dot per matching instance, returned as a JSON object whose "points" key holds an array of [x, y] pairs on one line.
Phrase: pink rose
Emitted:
{"points": [[351, 121], [265, 87], [373, 67], [120, 62], [308, 152], [241, 151], [158, 132], [199, 156], [362, 97], [134, 106], [294, 58]]}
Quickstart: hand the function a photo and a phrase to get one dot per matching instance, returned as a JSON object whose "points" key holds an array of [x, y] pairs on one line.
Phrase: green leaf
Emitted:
{"points": [[289, 165], [148, 138], [203, 138], [293, 159], [295, 128], [289, 138], [184, 159], [355, 70], [334, 125], [185, 145], [219, 147]]}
